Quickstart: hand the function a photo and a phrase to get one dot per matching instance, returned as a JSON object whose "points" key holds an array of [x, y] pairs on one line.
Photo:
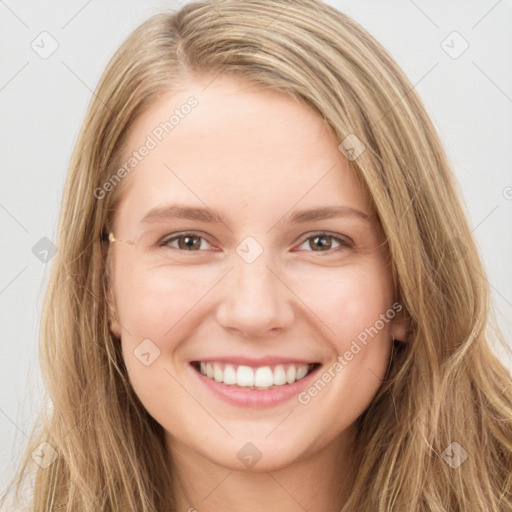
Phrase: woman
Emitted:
{"points": [[266, 295]]}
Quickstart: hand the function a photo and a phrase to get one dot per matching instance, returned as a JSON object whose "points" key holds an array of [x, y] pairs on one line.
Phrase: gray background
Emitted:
{"points": [[43, 101]]}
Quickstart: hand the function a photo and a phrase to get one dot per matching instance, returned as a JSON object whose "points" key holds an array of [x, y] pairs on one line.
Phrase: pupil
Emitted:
{"points": [[321, 244], [190, 242]]}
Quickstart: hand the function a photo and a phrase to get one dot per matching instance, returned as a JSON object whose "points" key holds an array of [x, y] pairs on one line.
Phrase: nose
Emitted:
{"points": [[256, 301]]}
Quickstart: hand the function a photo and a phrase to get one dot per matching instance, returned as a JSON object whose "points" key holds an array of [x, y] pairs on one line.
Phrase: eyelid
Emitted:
{"points": [[344, 241], [337, 236], [168, 238]]}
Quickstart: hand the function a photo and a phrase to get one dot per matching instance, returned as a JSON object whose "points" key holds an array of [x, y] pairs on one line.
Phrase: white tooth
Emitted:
{"points": [[279, 375], [290, 374], [302, 371], [229, 375], [245, 376], [217, 372], [263, 377]]}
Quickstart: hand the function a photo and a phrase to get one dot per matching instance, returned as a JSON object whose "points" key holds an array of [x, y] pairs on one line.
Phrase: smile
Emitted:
{"points": [[261, 377]]}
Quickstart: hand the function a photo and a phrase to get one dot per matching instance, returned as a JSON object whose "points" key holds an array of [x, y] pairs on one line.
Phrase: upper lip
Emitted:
{"points": [[254, 362]]}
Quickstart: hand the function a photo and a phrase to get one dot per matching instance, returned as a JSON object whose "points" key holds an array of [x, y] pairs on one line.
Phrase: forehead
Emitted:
{"points": [[244, 150]]}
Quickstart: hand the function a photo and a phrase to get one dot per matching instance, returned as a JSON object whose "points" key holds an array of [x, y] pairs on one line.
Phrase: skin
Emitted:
{"points": [[255, 156]]}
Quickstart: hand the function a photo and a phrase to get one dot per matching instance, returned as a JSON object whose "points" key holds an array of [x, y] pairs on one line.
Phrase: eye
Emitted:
{"points": [[185, 242], [318, 242], [323, 242]]}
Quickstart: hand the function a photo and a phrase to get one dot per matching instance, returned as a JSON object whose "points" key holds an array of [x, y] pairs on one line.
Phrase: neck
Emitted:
{"points": [[321, 481]]}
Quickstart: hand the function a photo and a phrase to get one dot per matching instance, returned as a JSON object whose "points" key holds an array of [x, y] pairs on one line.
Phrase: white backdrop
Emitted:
{"points": [[52, 56]]}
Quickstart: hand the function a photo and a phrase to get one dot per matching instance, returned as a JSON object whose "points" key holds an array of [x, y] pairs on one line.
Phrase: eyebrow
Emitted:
{"points": [[182, 212], [161, 213], [328, 212]]}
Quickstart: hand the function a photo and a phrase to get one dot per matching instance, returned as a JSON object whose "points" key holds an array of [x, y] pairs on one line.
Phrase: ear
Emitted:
{"points": [[115, 326], [399, 322]]}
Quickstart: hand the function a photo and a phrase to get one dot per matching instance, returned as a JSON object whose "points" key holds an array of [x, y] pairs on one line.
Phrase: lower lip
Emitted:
{"points": [[256, 398]]}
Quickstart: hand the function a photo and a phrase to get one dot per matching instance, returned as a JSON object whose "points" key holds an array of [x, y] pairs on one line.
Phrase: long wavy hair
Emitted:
{"points": [[444, 386]]}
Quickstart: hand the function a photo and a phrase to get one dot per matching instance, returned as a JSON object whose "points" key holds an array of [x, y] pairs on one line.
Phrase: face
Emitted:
{"points": [[246, 249]]}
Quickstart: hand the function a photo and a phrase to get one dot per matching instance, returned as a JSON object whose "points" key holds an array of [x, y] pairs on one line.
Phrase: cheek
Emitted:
{"points": [[156, 303], [151, 303], [348, 299], [353, 303], [152, 308]]}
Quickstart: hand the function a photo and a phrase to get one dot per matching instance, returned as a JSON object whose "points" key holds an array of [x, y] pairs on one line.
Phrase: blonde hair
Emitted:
{"points": [[444, 385]]}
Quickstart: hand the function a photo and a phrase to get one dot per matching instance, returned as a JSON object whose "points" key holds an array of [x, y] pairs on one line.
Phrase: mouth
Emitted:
{"points": [[254, 378]]}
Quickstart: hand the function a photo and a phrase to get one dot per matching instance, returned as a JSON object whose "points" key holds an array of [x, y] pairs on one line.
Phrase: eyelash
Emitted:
{"points": [[344, 243]]}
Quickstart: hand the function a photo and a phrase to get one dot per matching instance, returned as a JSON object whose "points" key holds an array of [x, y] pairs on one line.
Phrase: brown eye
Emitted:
{"points": [[185, 242], [324, 242], [319, 242]]}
